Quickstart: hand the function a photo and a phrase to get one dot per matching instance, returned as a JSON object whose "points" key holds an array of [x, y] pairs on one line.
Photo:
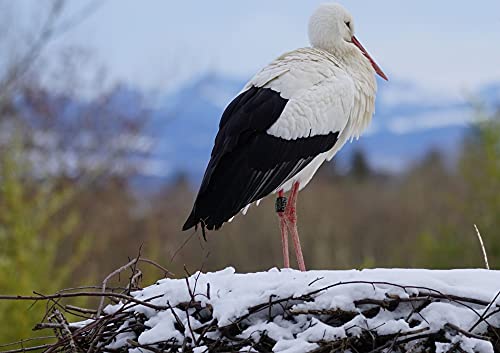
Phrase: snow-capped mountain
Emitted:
{"points": [[409, 122]]}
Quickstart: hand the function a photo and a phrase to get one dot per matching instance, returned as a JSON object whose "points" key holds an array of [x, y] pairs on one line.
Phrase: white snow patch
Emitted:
{"points": [[121, 338], [230, 295]]}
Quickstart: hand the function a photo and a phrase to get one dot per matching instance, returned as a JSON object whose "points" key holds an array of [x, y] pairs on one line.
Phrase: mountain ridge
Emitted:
{"points": [[409, 122]]}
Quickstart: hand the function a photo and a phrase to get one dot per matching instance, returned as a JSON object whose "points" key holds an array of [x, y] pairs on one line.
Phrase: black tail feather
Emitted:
{"points": [[191, 222], [194, 221]]}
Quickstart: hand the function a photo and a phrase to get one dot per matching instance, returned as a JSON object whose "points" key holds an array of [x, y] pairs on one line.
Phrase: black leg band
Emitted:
{"points": [[280, 205]]}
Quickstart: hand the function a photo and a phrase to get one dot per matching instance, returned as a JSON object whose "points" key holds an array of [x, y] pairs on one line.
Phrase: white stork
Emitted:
{"points": [[292, 116]]}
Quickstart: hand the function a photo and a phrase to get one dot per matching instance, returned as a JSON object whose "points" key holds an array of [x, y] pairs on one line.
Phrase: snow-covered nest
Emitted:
{"points": [[288, 311]]}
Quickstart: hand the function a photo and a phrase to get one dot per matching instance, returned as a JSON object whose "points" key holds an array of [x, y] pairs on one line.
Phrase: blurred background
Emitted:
{"points": [[109, 109]]}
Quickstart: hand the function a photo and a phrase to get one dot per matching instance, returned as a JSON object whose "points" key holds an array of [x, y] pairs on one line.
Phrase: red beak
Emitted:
{"points": [[377, 68]]}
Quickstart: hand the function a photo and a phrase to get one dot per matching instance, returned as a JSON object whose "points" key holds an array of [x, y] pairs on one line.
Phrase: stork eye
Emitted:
{"points": [[348, 24]]}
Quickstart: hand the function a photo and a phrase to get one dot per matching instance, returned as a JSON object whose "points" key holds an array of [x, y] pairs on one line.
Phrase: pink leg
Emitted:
{"points": [[284, 236], [291, 217]]}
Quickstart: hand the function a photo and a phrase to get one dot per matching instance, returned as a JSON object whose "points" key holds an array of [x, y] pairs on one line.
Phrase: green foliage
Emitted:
{"points": [[479, 203], [481, 169], [444, 251], [33, 227]]}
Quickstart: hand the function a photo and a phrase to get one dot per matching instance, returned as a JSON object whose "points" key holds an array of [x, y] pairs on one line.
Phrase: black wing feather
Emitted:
{"points": [[247, 163]]}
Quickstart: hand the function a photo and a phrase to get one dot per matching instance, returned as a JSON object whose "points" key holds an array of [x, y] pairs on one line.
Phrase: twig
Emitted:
{"points": [[81, 310], [483, 315], [105, 282], [465, 333], [46, 325], [134, 280], [83, 294], [94, 342], [177, 319], [65, 330], [182, 246], [89, 287], [314, 281], [26, 340], [28, 349], [482, 247], [151, 262]]}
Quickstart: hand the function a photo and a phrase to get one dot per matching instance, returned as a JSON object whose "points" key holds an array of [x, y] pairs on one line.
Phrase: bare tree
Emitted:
{"points": [[63, 133], [35, 38]]}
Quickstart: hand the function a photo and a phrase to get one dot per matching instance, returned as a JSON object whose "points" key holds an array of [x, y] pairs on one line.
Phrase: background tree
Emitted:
{"points": [[31, 242], [57, 152], [360, 169]]}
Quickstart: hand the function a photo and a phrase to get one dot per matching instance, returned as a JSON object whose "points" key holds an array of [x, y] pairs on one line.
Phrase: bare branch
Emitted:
{"points": [[83, 294]]}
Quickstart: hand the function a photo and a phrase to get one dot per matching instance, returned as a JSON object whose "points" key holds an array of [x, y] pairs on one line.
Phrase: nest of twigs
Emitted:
{"points": [[194, 325]]}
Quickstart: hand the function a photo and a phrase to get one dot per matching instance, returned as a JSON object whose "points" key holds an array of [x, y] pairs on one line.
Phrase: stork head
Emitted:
{"points": [[331, 27]]}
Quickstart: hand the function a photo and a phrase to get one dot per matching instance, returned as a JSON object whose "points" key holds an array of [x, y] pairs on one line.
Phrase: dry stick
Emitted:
{"points": [[28, 349], [145, 346], [418, 310], [96, 323], [66, 332], [391, 347], [20, 342], [189, 324], [482, 247], [80, 310], [54, 311], [135, 276], [108, 277], [55, 303], [112, 337], [151, 262], [490, 315], [78, 314], [182, 246], [46, 325], [102, 321], [93, 344], [485, 319], [121, 296], [82, 330], [432, 292], [176, 317], [205, 330], [105, 319], [465, 333], [316, 280], [455, 347], [134, 280], [84, 294], [483, 315], [89, 287]]}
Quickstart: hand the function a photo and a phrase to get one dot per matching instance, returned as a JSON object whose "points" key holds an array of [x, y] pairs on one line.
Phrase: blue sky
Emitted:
{"points": [[443, 45]]}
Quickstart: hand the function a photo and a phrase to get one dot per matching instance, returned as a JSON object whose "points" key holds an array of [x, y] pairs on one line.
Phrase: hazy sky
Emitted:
{"points": [[451, 45]]}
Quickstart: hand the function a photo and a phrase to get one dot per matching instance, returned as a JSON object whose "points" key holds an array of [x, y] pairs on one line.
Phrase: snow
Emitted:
{"points": [[469, 345], [122, 337], [230, 295], [162, 329]]}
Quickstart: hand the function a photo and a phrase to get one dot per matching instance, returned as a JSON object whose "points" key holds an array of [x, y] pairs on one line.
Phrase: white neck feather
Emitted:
{"points": [[356, 65], [363, 74]]}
